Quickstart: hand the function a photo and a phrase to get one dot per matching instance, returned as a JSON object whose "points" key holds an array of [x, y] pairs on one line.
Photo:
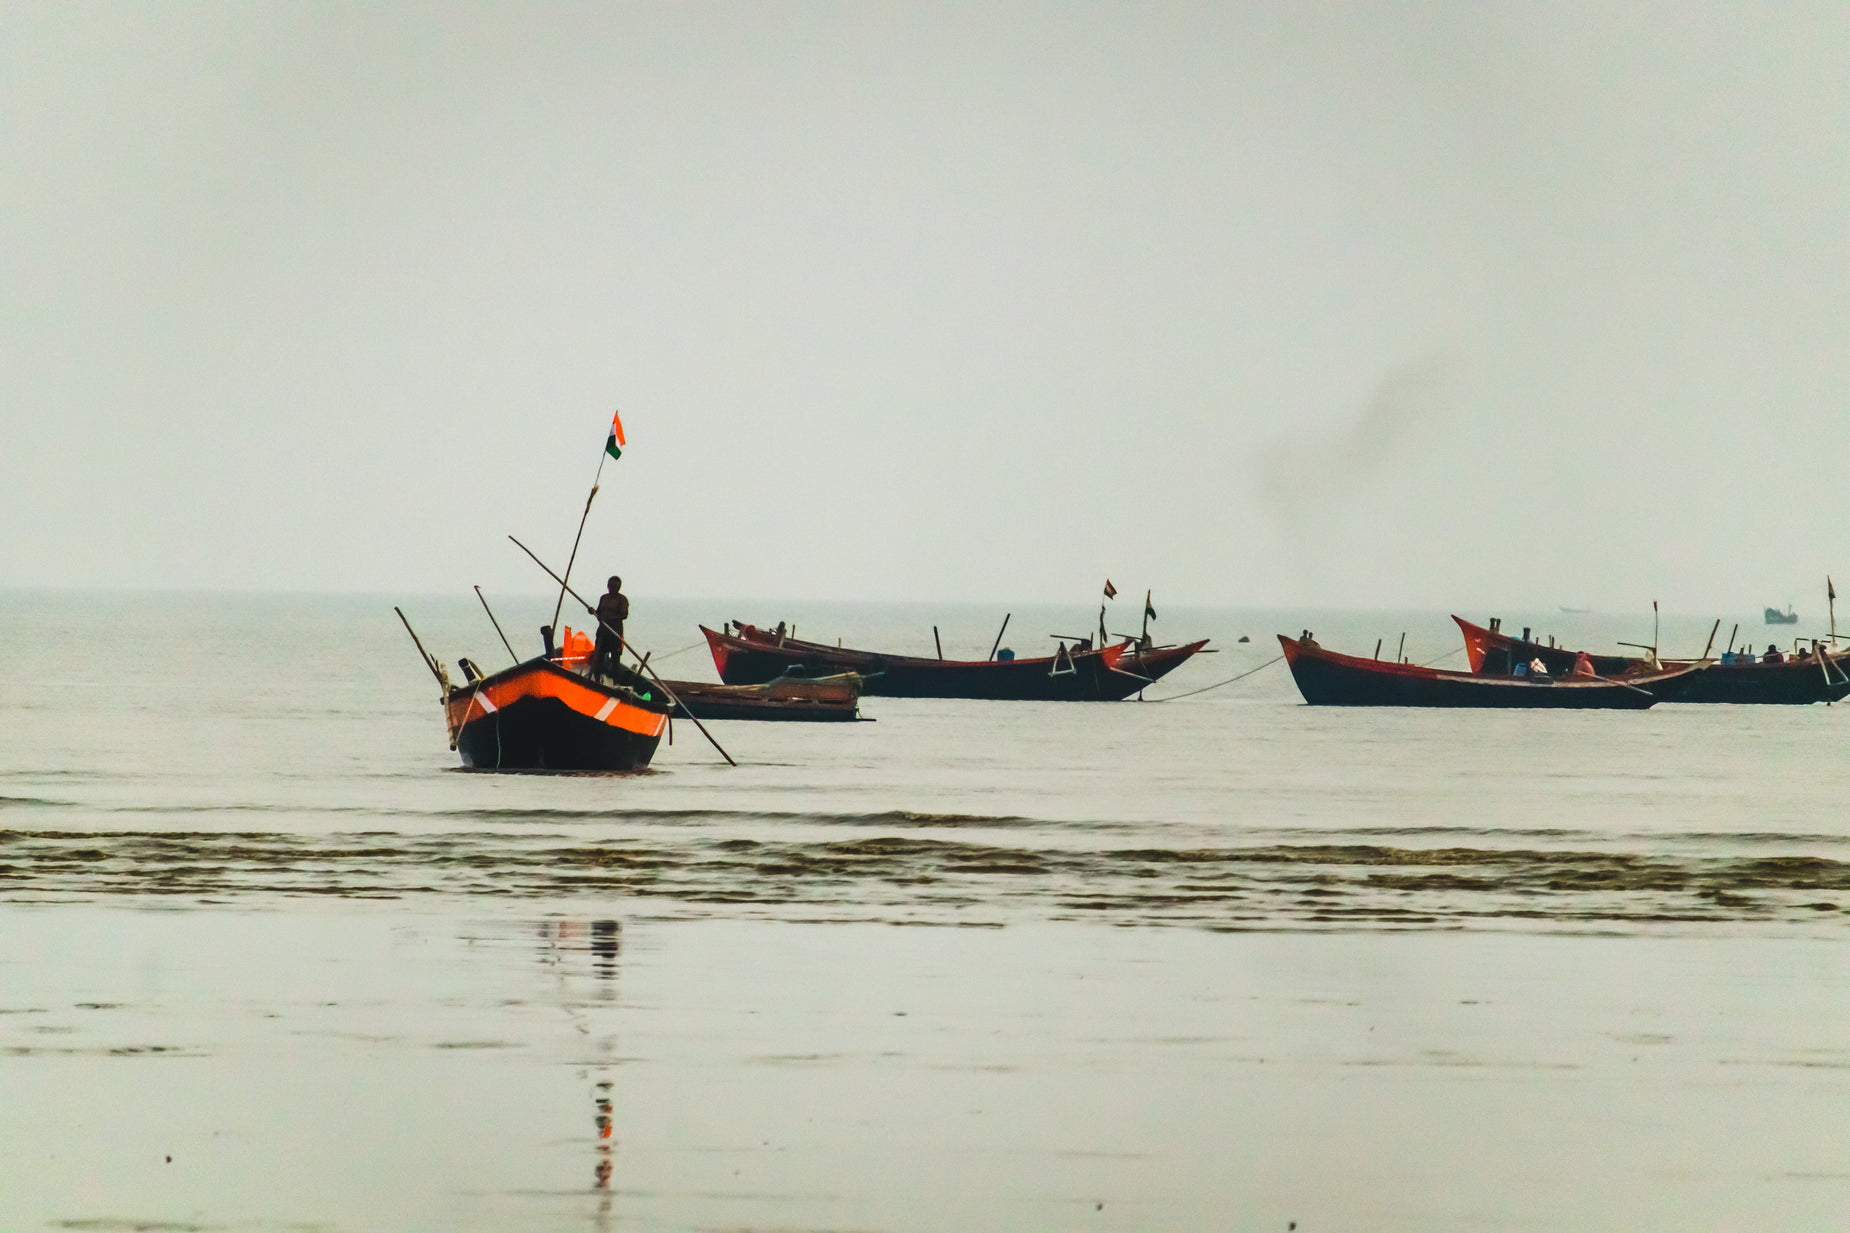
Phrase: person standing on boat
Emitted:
{"points": [[613, 608]]}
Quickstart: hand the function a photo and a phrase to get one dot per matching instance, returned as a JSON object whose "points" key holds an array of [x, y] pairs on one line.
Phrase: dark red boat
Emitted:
{"points": [[1327, 678], [753, 656], [1816, 678], [542, 716]]}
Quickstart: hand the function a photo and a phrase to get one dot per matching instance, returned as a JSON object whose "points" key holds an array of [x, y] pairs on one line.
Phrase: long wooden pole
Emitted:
{"points": [[624, 646], [1004, 629], [935, 641], [425, 655], [1711, 643], [497, 625]]}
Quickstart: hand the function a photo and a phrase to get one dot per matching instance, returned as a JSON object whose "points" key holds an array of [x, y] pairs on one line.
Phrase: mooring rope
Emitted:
{"points": [[1230, 680], [684, 650]]}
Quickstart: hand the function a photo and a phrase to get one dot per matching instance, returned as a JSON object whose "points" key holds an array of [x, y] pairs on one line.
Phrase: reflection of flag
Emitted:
{"points": [[614, 445], [1111, 592], [1149, 613]]}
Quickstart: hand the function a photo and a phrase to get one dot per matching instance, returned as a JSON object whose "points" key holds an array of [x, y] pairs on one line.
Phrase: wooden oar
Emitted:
{"points": [[1622, 685], [565, 588]]}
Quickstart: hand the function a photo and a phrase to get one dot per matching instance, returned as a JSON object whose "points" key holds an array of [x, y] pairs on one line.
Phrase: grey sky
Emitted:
{"points": [[1417, 304]]}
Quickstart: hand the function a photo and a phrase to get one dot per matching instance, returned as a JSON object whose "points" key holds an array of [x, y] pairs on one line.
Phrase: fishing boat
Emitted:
{"points": [[748, 655], [827, 699], [1820, 677], [1328, 678], [542, 715], [1775, 617]]}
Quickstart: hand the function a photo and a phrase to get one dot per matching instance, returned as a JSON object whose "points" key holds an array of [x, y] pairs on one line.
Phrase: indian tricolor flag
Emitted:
{"points": [[614, 445]]}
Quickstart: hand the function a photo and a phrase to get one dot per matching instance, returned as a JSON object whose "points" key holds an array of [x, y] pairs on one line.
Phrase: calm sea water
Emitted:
{"points": [[1221, 961]]}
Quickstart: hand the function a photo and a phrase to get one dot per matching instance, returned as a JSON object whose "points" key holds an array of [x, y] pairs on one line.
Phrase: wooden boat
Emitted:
{"points": [[1819, 678], [753, 656], [827, 699], [1327, 678], [543, 716]]}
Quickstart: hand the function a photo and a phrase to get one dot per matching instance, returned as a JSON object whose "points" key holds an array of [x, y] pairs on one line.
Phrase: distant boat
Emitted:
{"points": [[1326, 678], [1792, 681], [1775, 617], [1079, 674], [813, 699], [1565, 608]]}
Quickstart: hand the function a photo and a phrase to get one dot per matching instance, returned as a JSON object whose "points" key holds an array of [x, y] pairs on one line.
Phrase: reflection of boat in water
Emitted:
{"points": [[1775, 617], [1816, 678], [1327, 678], [754, 656]]}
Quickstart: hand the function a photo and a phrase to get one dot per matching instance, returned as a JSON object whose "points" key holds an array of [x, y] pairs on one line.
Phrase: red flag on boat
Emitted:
{"points": [[1149, 613], [614, 445], [1111, 592]]}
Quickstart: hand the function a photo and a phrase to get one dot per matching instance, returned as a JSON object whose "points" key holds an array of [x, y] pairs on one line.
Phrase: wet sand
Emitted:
{"points": [[927, 877], [439, 1066]]}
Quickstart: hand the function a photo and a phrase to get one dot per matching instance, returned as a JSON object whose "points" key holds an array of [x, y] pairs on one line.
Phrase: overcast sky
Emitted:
{"points": [[1353, 305]]}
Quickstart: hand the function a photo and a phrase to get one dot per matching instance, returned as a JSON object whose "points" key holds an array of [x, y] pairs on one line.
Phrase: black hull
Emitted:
{"points": [[1787, 684], [544, 734], [1327, 680]]}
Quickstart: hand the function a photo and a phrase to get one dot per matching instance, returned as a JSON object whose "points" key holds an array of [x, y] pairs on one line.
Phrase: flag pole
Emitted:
{"points": [[1830, 593], [558, 607]]}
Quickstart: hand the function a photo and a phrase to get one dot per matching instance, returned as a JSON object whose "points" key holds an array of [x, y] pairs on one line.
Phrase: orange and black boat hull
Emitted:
{"points": [[538, 716]]}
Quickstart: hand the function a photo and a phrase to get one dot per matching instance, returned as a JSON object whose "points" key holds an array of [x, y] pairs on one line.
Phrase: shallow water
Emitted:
{"points": [[1229, 961]]}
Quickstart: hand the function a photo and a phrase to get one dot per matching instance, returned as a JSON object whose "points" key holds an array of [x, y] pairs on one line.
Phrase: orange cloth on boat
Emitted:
{"points": [[576, 644]]}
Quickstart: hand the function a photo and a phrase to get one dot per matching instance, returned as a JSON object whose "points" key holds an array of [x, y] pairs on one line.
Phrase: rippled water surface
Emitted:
{"points": [[1221, 961]]}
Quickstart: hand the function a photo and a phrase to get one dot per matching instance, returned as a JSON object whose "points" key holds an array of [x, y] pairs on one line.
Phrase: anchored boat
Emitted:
{"points": [[752, 656], [827, 699], [1820, 677], [1328, 678]]}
